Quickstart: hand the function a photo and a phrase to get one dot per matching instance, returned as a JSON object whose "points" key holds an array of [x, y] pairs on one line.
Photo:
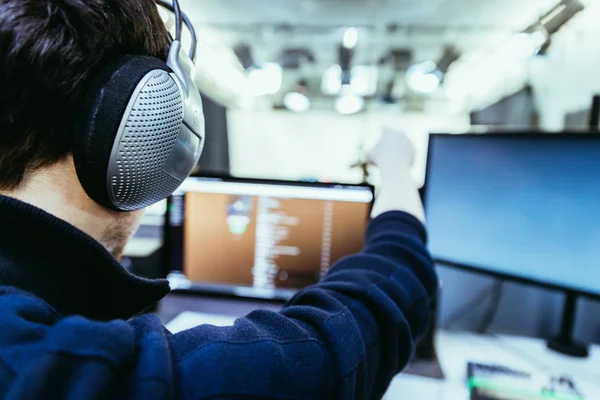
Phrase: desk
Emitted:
{"points": [[142, 247], [174, 304], [455, 349]]}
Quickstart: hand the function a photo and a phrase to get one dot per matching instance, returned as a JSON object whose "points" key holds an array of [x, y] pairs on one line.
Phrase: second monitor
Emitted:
{"points": [[523, 206], [520, 206]]}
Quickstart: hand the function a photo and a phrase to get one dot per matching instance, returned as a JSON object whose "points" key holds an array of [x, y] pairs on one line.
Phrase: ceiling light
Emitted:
{"points": [[266, 79], [492, 75], [424, 78], [296, 102], [539, 37], [349, 102], [364, 80], [531, 41], [526, 45], [350, 38], [331, 83]]}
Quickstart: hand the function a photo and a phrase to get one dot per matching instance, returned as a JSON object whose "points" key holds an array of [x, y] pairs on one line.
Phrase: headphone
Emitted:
{"points": [[140, 128]]}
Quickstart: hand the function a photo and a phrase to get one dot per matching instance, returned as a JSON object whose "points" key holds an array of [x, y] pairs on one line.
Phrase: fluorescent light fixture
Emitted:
{"points": [[331, 83], [526, 45], [558, 16], [296, 102], [350, 38], [364, 80], [266, 79], [349, 102], [423, 78], [554, 13], [489, 76]]}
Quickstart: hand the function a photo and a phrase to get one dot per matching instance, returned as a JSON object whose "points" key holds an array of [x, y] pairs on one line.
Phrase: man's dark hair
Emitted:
{"points": [[48, 50]]}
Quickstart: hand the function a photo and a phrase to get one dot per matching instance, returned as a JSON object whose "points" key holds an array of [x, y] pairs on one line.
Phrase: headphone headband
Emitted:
{"points": [[181, 16]]}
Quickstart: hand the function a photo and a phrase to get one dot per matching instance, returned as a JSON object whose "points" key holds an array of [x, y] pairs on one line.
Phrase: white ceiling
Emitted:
{"points": [[503, 14], [424, 26]]}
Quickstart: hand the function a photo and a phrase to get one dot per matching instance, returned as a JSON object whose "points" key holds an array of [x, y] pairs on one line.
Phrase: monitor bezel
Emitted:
{"points": [[233, 291], [479, 269]]}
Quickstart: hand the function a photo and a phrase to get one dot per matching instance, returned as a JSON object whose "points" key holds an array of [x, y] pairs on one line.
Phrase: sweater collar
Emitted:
{"points": [[68, 269]]}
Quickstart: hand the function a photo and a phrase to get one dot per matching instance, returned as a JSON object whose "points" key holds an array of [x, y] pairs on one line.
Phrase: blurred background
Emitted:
{"points": [[301, 80], [299, 89]]}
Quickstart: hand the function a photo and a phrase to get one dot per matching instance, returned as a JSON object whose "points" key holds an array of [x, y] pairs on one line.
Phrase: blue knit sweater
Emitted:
{"points": [[71, 323]]}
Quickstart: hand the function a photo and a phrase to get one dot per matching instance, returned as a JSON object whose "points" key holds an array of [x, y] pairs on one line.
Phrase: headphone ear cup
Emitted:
{"points": [[132, 106]]}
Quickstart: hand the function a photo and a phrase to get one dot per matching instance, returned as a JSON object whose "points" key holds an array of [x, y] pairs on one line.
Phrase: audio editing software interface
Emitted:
{"points": [[266, 235]]}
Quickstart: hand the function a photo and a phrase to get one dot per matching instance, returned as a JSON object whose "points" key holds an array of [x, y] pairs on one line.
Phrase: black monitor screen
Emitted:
{"points": [[523, 206]]}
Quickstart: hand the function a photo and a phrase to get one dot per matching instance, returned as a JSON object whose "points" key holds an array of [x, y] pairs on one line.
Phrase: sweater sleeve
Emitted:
{"points": [[344, 338]]}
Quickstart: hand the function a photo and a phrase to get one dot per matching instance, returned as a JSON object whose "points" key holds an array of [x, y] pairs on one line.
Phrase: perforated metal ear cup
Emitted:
{"points": [[148, 133], [140, 131]]}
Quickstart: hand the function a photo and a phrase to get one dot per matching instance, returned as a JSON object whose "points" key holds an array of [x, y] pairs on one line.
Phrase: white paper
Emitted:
{"points": [[188, 320]]}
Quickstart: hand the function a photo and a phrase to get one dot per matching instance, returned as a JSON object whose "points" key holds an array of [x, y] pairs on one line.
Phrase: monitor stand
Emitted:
{"points": [[564, 342], [425, 362]]}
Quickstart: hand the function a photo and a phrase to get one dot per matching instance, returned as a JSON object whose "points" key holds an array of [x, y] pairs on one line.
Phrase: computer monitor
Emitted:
{"points": [[520, 206], [261, 238]]}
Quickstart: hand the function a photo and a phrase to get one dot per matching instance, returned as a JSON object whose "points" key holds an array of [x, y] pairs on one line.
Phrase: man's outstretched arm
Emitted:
{"points": [[343, 338]]}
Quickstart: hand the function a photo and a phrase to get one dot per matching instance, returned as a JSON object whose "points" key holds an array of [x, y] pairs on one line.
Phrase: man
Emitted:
{"points": [[71, 317]]}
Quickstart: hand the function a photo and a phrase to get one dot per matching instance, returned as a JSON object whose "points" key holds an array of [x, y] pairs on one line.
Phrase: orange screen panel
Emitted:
{"points": [[268, 241]]}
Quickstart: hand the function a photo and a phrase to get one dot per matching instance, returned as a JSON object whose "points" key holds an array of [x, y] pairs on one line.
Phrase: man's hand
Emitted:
{"points": [[394, 155]]}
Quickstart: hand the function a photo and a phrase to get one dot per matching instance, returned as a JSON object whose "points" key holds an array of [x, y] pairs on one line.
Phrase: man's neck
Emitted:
{"points": [[57, 190]]}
